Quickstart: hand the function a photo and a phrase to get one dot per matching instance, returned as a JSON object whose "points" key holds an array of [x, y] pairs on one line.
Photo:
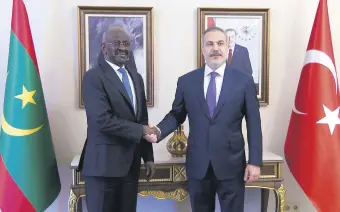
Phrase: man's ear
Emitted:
{"points": [[103, 49]]}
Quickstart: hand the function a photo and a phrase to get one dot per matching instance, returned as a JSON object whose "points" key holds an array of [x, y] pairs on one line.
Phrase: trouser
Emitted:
{"points": [[203, 192], [113, 194]]}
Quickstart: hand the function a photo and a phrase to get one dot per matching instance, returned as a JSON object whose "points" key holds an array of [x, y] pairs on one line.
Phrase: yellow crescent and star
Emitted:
{"points": [[26, 97]]}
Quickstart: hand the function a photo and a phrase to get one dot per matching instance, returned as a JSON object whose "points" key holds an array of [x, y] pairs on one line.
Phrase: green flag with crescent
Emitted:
{"points": [[29, 175]]}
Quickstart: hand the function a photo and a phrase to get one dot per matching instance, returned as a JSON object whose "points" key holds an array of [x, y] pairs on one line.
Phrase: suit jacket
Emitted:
{"points": [[218, 140], [115, 131], [240, 59]]}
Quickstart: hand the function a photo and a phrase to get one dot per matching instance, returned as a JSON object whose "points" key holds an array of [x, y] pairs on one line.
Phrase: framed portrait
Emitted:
{"points": [[93, 21], [247, 31]]}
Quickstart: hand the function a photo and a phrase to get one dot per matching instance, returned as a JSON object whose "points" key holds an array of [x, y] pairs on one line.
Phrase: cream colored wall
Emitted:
{"points": [[54, 28]]}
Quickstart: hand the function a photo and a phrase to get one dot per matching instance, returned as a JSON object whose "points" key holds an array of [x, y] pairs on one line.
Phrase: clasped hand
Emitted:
{"points": [[151, 133]]}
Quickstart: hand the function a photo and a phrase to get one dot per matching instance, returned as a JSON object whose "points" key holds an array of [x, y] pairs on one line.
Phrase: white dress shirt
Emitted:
{"points": [[120, 75], [218, 79], [218, 82]]}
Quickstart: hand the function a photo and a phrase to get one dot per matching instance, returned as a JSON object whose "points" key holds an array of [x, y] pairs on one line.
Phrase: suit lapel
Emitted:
{"points": [[235, 52], [110, 74], [200, 89], [226, 90], [236, 48]]}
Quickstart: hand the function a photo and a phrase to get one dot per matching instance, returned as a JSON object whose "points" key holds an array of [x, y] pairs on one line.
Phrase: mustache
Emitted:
{"points": [[120, 51], [215, 54]]}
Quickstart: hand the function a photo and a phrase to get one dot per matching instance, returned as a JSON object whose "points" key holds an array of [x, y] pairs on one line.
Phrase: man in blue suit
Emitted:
{"points": [[238, 56], [216, 98], [117, 119]]}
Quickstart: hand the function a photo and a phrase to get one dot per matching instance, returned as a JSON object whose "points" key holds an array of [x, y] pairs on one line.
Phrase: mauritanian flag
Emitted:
{"points": [[29, 178]]}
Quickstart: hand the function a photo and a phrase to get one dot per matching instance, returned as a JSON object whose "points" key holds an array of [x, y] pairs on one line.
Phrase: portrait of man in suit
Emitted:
{"points": [[238, 56], [247, 46]]}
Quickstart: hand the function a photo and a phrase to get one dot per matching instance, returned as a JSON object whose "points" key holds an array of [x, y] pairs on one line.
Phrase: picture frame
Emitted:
{"points": [[137, 21], [248, 30]]}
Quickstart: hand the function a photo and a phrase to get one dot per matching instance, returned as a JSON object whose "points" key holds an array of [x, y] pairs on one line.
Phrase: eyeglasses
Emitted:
{"points": [[119, 43]]}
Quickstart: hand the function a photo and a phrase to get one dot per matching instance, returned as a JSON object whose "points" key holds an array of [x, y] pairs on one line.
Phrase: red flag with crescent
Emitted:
{"points": [[312, 146]]}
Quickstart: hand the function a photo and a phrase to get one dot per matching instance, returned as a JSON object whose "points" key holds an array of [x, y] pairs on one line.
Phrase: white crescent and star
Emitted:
{"points": [[331, 117], [26, 97], [316, 56]]}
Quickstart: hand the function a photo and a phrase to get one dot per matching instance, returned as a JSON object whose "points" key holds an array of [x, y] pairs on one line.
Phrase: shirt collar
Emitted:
{"points": [[114, 66], [233, 47], [219, 71]]}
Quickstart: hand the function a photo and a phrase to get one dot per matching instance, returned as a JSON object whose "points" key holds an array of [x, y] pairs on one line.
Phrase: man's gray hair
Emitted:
{"points": [[115, 29], [211, 29], [231, 30]]}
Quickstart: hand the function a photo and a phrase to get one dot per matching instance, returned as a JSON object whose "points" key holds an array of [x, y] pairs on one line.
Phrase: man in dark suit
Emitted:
{"points": [[238, 56], [117, 119], [216, 98]]}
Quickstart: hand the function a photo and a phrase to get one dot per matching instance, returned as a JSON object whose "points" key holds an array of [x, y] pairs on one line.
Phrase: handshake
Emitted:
{"points": [[151, 133]]}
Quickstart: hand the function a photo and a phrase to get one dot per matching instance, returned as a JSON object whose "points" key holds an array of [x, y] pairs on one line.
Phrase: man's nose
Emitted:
{"points": [[215, 46], [122, 48]]}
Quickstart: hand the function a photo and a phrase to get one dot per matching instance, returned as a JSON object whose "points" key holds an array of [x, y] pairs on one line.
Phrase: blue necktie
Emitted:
{"points": [[211, 94], [126, 83]]}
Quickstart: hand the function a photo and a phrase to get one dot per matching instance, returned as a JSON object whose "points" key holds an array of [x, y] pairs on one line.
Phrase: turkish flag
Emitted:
{"points": [[312, 147], [211, 22]]}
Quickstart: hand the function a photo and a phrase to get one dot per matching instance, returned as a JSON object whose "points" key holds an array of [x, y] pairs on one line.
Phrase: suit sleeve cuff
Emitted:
{"points": [[159, 130], [256, 163]]}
